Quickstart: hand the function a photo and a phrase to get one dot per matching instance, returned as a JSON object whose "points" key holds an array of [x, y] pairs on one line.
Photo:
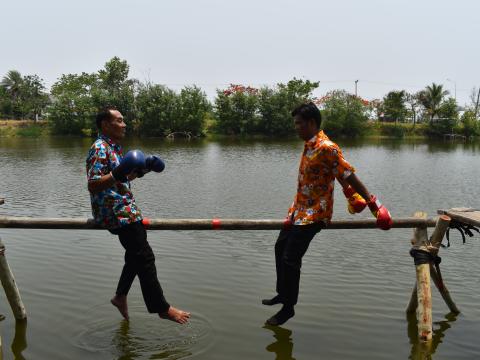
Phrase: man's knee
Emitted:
{"points": [[292, 262]]}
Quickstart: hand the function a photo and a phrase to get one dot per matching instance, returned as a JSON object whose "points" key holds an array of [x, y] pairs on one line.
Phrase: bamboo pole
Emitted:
{"points": [[434, 247], [10, 287], [201, 224], [424, 296], [424, 292], [437, 280]]}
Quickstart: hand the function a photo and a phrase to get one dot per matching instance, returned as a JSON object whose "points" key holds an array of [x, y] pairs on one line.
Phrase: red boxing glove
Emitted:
{"points": [[356, 203], [384, 219]]}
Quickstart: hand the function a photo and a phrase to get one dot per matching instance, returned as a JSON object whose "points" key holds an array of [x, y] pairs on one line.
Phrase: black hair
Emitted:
{"points": [[104, 114], [308, 111]]}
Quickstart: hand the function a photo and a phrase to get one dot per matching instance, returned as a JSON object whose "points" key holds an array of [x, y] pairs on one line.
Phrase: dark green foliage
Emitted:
{"points": [[236, 113], [157, 110], [22, 97], [193, 107], [393, 106], [241, 110], [344, 114], [392, 130]]}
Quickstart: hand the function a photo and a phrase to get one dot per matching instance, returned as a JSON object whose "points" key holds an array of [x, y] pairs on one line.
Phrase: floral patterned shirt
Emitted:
{"points": [[115, 206], [322, 161]]}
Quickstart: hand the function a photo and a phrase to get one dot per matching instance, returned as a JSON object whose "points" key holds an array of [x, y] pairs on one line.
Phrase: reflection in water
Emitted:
{"points": [[424, 350], [129, 347], [19, 343], [283, 346]]}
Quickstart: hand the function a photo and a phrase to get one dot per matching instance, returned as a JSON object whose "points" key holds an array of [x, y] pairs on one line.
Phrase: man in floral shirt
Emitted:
{"points": [[114, 208], [322, 162]]}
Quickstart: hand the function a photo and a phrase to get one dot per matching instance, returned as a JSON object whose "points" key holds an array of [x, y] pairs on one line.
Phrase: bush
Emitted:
{"points": [[393, 130], [345, 114]]}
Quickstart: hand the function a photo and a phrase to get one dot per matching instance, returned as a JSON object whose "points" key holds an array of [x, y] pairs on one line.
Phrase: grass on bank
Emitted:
{"points": [[23, 128]]}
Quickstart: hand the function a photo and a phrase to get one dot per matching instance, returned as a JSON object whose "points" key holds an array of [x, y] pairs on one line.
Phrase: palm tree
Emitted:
{"points": [[12, 83], [431, 98]]}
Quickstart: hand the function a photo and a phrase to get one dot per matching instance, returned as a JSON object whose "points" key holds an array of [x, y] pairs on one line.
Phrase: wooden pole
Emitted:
{"points": [[10, 287], [424, 292], [201, 224], [434, 247], [438, 281], [424, 296]]}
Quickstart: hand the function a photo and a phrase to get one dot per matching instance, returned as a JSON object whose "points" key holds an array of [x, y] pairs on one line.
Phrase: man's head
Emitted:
{"points": [[307, 120], [110, 123]]}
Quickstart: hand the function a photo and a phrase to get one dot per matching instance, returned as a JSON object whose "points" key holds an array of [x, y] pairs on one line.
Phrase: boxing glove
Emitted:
{"points": [[132, 160], [384, 219], [152, 163], [356, 203]]}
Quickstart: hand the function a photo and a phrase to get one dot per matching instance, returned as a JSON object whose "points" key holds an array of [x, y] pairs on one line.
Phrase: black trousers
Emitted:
{"points": [[140, 261], [290, 247]]}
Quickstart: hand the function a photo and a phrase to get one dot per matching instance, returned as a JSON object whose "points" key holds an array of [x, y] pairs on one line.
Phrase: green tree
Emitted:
{"points": [[73, 109], [276, 105], [157, 113], [344, 114], [394, 105], [193, 107], [431, 98], [236, 110], [469, 124], [12, 83], [413, 101], [34, 98]]}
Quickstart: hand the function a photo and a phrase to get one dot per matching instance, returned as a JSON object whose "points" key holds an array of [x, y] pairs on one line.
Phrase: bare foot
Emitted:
{"points": [[176, 315], [120, 302]]}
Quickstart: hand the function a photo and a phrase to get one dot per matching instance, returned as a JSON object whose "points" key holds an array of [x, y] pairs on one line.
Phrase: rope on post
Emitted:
{"points": [[10, 286]]}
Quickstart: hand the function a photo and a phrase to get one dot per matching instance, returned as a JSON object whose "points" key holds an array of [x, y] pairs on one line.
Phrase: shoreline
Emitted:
{"points": [[40, 128]]}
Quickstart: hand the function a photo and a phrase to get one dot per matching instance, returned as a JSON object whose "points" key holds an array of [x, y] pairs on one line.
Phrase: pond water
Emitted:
{"points": [[355, 285]]}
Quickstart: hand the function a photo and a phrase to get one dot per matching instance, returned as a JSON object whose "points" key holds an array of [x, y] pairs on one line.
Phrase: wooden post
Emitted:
{"points": [[424, 296], [434, 247], [424, 292], [10, 287]]}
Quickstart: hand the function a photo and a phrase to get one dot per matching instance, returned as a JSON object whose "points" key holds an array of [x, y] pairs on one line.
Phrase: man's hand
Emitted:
{"points": [[356, 203], [384, 219]]}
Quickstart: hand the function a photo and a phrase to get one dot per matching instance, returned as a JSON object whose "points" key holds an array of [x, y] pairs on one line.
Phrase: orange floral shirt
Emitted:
{"points": [[322, 162]]}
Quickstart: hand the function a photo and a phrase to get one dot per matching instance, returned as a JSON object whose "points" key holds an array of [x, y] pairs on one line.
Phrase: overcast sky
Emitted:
{"points": [[385, 44]]}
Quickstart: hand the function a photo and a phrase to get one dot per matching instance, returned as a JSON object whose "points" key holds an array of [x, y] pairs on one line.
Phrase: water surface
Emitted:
{"points": [[355, 284]]}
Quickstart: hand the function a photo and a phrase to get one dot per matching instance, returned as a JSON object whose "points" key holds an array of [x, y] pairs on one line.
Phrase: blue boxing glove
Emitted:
{"points": [[152, 163], [132, 160]]}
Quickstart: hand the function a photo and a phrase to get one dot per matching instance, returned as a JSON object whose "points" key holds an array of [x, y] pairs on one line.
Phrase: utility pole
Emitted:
{"points": [[356, 82], [454, 87], [476, 104]]}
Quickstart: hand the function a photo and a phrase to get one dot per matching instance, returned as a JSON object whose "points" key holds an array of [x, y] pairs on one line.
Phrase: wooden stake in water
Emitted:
{"points": [[10, 287]]}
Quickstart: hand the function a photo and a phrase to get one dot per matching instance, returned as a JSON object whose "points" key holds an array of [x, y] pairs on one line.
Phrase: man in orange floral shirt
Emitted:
{"points": [[322, 162]]}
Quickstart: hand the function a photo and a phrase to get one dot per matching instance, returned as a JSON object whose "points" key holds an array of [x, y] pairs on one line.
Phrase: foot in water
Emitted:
{"points": [[176, 315], [282, 316], [120, 302], [273, 301]]}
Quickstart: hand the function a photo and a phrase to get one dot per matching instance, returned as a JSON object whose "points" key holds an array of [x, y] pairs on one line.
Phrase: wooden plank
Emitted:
{"points": [[465, 215]]}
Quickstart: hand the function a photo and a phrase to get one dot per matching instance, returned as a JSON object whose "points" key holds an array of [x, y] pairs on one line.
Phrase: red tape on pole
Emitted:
{"points": [[146, 222], [216, 224]]}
